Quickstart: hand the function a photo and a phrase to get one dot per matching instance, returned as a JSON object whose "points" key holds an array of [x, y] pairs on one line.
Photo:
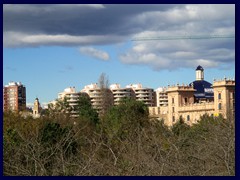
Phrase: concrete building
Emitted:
{"points": [[14, 97], [72, 97], [99, 97], [94, 92], [146, 95], [120, 93], [161, 96]]}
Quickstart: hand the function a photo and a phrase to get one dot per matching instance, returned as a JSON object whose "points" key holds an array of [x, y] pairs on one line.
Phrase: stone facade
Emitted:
{"points": [[181, 103]]}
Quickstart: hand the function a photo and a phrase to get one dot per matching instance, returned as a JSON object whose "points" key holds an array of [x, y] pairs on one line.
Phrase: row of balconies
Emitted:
{"points": [[143, 92], [121, 91], [121, 95], [144, 95]]}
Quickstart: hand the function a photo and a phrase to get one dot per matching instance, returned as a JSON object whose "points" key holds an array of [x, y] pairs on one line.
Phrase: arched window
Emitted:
{"points": [[219, 106], [188, 118], [219, 95]]}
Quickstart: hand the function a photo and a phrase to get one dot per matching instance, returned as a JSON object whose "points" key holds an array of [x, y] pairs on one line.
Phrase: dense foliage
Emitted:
{"points": [[122, 142]]}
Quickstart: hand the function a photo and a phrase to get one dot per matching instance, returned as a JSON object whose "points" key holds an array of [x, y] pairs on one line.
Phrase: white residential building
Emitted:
{"points": [[120, 93], [72, 98], [94, 92], [161, 96], [146, 95]]}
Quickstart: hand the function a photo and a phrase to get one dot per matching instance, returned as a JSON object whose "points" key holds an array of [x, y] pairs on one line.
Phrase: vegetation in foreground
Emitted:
{"points": [[123, 141]]}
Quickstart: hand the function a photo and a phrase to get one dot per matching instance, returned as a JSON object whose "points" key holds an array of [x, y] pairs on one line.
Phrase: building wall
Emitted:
{"points": [[224, 97], [177, 97]]}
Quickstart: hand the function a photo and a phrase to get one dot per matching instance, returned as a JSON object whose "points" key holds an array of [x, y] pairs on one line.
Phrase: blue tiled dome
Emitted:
{"points": [[204, 89], [199, 68]]}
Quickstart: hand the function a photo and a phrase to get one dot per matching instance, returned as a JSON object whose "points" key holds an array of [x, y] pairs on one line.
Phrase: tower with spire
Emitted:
{"points": [[36, 108]]}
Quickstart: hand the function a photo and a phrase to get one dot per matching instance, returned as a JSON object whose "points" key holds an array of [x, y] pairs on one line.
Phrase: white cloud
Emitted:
{"points": [[29, 104], [16, 39], [89, 51]]}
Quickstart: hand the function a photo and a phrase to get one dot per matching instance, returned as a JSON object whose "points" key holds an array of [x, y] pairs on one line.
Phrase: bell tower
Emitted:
{"points": [[36, 108]]}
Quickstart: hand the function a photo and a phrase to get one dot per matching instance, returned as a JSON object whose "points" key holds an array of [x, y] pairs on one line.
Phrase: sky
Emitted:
{"points": [[51, 47]]}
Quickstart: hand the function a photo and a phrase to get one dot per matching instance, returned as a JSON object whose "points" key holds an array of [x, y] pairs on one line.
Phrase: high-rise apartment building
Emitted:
{"points": [[161, 96], [14, 97], [146, 95], [72, 97], [94, 92], [120, 93], [100, 98]]}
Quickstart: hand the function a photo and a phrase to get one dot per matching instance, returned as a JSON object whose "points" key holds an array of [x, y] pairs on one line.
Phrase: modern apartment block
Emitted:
{"points": [[14, 97], [94, 93], [161, 96], [120, 93], [146, 95], [71, 96]]}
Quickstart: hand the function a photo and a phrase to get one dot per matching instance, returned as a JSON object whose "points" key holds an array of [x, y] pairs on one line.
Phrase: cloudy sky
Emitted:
{"points": [[51, 47]]}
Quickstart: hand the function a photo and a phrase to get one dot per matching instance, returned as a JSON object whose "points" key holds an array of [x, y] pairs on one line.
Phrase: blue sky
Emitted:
{"points": [[49, 53]]}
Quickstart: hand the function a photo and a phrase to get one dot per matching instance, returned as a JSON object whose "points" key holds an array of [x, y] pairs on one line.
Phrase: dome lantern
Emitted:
{"points": [[199, 73]]}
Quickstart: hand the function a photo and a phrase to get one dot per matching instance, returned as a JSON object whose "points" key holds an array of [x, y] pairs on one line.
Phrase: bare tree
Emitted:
{"points": [[106, 95]]}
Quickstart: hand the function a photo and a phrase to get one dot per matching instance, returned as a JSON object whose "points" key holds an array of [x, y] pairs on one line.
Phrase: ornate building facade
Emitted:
{"points": [[191, 102]]}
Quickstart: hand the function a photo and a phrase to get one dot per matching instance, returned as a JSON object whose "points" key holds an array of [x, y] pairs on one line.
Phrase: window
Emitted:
{"points": [[172, 100], [219, 95], [173, 109], [185, 100], [219, 106], [188, 118], [173, 119]]}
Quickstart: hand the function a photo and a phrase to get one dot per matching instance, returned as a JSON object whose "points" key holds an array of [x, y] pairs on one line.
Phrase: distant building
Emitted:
{"points": [[94, 93], [14, 97], [72, 97], [161, 96], [96, 96], [120, 93], [146, 95], [36, 109], [192, 101]]}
